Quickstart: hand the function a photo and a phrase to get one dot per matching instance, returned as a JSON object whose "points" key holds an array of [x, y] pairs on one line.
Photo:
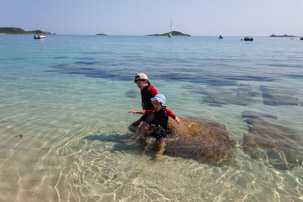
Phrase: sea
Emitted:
{"points": [[64, 103]]}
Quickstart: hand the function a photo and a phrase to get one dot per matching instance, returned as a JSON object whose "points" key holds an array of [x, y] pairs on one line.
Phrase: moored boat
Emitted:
{"points": [[247, 38], [40, 36]]}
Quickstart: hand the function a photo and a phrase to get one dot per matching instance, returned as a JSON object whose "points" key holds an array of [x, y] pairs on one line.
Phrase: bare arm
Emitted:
{"points": [[177, 120], [169, 113], [137, 112]]}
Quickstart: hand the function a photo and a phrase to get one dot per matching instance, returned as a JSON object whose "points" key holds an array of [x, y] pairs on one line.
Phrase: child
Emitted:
{"points": [[147, 92], [160, 122]]}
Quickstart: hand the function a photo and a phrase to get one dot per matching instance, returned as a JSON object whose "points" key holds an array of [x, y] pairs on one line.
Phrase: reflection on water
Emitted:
{"points": [[64, 106]]}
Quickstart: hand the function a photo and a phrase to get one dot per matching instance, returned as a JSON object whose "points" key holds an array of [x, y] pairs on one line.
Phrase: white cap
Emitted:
{"points": [[141, 76]]}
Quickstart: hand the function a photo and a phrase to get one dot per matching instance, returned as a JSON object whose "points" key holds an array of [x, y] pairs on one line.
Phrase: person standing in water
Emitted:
{"points": [[160, 132], [147, 92]]}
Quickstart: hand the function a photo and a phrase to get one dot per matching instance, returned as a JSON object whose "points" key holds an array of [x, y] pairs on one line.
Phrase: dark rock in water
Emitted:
{"points": [[249, 78], [200, 139], [193, 89], [131, 93], [295, 76], [282, 145], [221, 96], [245, 91], [278, 95], [240, 96], [252, 115], [197, 78]]}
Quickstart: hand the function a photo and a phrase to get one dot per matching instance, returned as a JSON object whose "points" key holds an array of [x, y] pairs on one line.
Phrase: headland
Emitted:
{"points": [[15, 30]]}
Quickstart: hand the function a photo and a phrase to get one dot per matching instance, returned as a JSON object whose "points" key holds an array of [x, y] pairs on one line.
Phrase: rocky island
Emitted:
{"points": [[173, 33], [15, 30], [285, 35]]}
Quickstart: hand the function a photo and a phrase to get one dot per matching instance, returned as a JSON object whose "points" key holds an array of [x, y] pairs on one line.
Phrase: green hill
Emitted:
{"points": [[173, 33], [38, 32], [14, 30]]}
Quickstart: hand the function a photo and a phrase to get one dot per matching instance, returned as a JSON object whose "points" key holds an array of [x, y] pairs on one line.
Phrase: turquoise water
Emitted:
{"points": [[67, 97]]}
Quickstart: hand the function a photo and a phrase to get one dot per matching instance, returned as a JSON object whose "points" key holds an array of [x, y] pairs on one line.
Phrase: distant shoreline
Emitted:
{"points": [[285, 35], [16, 30], [278, 36], [16, 34]]}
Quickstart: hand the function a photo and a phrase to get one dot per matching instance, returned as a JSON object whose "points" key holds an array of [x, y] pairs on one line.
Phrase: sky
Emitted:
{"points": [[143, 17]]}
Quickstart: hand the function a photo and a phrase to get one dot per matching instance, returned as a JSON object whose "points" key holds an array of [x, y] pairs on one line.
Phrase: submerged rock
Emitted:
{"points": [[200, 139], [278, 95], [221, 96], [131, 93], [278, 144], [240, 96], [252, 115], [245, 92]]}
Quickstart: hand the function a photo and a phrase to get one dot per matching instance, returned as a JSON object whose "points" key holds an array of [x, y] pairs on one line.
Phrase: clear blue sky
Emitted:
{"points": [[142, 17]]}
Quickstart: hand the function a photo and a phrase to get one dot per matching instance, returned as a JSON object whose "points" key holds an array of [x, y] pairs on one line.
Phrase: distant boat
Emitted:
{"points": [[220, 37], [40, 36], [171, 25], [247, 38]]}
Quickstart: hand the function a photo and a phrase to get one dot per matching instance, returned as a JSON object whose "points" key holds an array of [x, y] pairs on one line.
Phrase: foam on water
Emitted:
{"points": [[66, 96]]}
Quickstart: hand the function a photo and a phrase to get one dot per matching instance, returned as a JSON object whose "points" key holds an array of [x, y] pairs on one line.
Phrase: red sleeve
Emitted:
{"points": [[152, 91], [150, 111], [169, 113]]}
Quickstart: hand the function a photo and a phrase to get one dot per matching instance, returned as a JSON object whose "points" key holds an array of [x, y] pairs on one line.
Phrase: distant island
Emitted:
{"points": [[173, 33], [101, 34], [285, 35], [14, 30]]}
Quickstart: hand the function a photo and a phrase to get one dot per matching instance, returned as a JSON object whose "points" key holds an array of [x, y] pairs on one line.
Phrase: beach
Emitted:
{"points": [[64, 103]]}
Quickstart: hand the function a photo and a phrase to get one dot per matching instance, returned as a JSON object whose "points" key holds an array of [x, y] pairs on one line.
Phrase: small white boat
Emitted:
{"points": [[40, 36]]}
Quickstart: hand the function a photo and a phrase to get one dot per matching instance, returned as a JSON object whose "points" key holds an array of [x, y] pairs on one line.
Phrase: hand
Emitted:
{"points": [[132, 111], [178, 120]]}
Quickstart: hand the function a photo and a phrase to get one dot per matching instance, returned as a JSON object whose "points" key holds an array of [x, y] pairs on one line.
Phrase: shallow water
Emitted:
{"points": [[66, 96]]}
